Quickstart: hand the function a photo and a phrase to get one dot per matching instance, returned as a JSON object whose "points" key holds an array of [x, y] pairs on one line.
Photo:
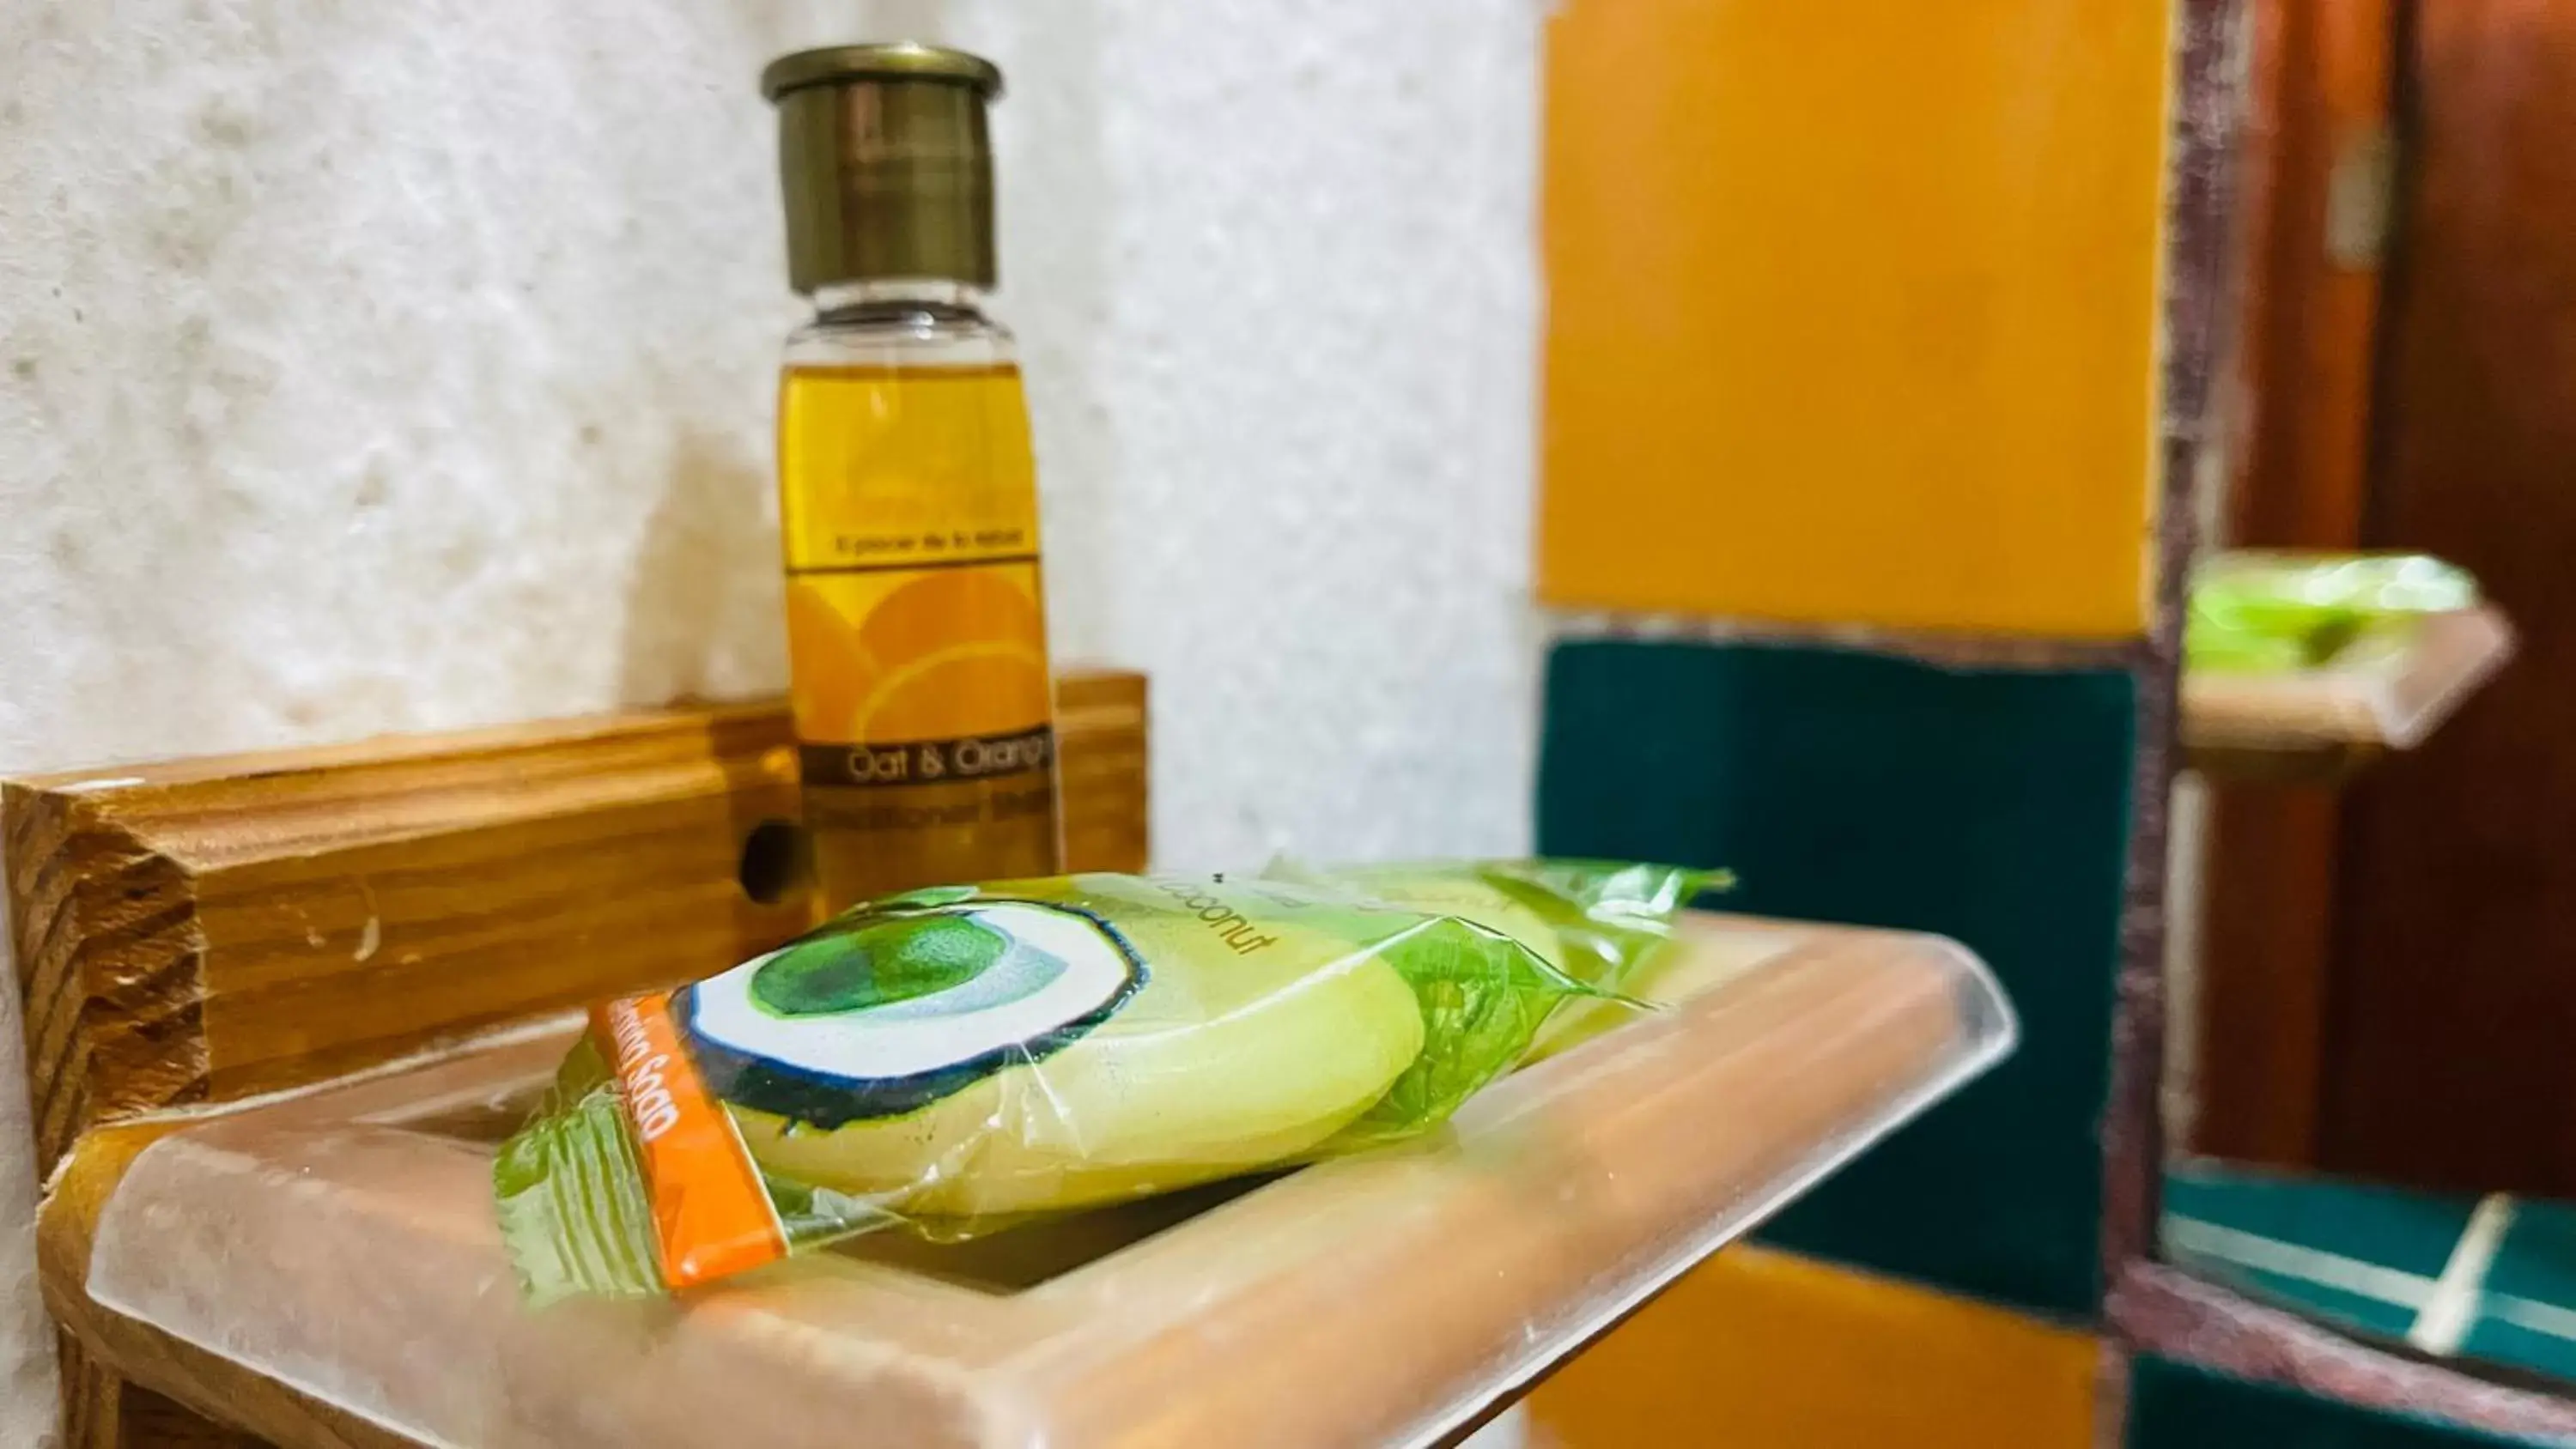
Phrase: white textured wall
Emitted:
{"points": [[389, 367]]}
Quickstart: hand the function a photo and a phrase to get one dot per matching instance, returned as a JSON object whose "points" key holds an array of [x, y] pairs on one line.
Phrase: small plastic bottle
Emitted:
{"points": [[916, 616]]}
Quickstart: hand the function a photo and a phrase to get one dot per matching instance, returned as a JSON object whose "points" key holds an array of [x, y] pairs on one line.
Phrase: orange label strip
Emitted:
{"points": [[711, 1216]]}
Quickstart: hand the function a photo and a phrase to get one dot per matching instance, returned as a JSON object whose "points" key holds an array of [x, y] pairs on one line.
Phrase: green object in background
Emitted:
{"points": [[2261, 612], [1987, 805], [2175, 1406]]}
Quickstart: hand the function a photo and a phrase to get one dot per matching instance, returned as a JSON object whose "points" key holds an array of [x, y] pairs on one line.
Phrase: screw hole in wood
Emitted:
{"points": [[777, 862]]}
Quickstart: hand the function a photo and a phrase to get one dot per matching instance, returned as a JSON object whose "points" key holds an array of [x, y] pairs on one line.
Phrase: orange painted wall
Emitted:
{"points": [[1763, 1348], [1852, 310]]}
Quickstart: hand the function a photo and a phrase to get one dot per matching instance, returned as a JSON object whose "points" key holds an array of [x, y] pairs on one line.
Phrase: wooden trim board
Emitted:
{"points": [[210, 930]]}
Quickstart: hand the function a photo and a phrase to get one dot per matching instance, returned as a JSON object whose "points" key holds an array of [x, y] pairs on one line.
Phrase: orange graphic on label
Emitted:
{"points": [[932, 654]]}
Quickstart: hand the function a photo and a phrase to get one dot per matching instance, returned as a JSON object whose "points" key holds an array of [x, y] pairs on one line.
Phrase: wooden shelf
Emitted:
{"points": [[326, 1270], [2385, 694]]}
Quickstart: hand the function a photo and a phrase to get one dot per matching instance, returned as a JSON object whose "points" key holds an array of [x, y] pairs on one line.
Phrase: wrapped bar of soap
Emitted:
{"points": [[959, 1059]]}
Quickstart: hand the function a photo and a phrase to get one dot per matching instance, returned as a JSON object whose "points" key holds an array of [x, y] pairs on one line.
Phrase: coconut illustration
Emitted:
{"points": [[993, 1057]]}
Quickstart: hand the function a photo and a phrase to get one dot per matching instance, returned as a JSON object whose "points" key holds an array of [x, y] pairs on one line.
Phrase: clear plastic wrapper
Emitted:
{"points": [[2258, 612], [960, 1059]]}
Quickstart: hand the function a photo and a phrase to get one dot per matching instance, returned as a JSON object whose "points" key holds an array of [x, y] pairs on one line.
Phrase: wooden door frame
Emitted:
{"points": [[2318, 161]]}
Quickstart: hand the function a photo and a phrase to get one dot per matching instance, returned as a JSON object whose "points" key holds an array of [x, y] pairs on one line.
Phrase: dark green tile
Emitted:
{"points": [[2413, 1232], [2527, 1315], [2537, 1259], [2174, 1406], [2512, 1334], [2527, 1310], [2268, 1234], [1992, 806]]}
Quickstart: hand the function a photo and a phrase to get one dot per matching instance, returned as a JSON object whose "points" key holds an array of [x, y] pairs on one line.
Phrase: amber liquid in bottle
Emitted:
{"points": [[916, 617]]}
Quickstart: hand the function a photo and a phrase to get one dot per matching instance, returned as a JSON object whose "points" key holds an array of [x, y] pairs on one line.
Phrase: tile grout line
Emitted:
{"points": [[2444, 1321], [2209, 1242], [2533, 1314], [2393, 1286]]}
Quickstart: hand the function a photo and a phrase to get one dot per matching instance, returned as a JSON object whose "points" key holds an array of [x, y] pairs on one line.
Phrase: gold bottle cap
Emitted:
{"points": [[887, 163]]}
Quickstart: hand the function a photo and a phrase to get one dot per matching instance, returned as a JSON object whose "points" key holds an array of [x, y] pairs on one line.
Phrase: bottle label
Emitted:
{"points": [[925, 762], [916, 626], [895, 469], [951, 660]]}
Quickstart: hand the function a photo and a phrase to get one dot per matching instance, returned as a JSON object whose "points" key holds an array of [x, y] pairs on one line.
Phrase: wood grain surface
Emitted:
{"points": [[213, 929]]}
